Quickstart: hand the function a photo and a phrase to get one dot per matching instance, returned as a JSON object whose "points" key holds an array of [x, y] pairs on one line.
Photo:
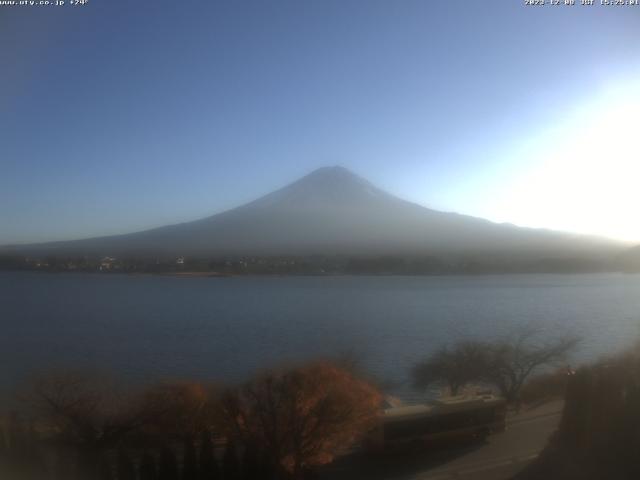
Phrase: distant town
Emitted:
{"points": [[311, 265]]}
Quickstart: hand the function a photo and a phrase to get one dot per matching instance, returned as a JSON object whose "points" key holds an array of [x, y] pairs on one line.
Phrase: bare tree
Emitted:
{"points": [[506, 364], [86, 412], [453, 367], [512, 361], [188, 408]]}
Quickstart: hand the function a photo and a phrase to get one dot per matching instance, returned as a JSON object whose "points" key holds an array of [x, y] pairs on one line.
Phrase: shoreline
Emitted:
{"points": [[191, 274], [196, 274]]}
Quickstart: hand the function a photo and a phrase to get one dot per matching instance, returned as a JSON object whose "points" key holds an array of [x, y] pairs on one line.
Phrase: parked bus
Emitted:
{"points": [[440, 423]]}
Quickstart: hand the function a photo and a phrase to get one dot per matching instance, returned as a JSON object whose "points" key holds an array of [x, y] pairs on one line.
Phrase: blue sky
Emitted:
{"points": [[118, 116]]}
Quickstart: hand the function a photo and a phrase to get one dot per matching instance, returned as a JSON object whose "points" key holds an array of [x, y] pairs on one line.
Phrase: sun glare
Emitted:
{"points": [[583, 177]]}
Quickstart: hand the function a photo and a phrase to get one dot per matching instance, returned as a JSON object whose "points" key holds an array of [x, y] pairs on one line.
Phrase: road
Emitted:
{"points": [[507, 453], [504, 455]]}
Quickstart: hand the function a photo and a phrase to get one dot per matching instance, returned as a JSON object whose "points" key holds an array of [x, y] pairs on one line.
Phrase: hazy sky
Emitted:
{"points": [[123, 115]]}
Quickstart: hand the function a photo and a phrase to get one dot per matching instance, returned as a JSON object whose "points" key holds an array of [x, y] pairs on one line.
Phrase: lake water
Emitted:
{"points": [[150, 327]]}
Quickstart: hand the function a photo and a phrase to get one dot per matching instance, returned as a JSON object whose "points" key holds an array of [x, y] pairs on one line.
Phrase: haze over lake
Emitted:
{"points": [[151, 327]]}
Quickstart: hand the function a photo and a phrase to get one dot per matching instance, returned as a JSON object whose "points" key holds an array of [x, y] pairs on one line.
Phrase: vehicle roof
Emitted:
{"points": [[407, 411], [442, 406], [487, 399]]}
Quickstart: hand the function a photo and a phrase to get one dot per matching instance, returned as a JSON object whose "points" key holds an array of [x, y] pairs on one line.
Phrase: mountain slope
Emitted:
{"points": [[330, 211], [629, 260]]}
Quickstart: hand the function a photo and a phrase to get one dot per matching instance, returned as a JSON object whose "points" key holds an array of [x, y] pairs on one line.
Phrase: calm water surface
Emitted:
{"points": [[149, 327]]}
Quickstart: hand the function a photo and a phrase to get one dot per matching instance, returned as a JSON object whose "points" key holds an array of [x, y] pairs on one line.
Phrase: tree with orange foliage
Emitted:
{"points": [[301, 417]]}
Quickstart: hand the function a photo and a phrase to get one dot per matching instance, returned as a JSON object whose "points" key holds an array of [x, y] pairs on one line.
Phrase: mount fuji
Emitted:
{"points": [[331, 211]]}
